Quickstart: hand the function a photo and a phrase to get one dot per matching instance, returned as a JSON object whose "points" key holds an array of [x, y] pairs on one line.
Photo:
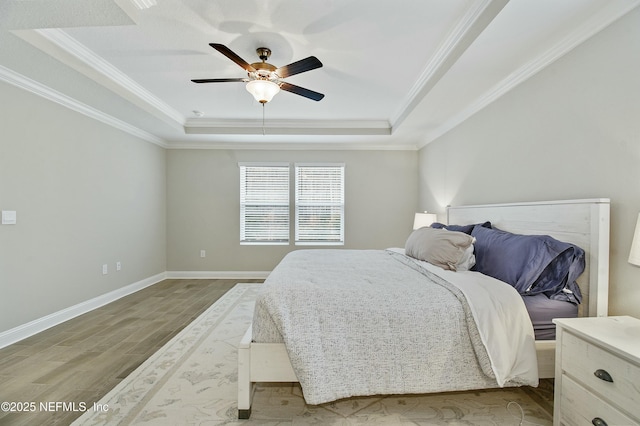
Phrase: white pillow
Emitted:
{"points": [[467, 261]]}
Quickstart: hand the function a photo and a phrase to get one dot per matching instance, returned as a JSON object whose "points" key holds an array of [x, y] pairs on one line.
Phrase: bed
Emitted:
{"points": [[584, 223]]}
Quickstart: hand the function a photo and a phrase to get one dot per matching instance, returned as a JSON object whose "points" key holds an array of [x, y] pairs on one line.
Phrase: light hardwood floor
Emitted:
{"points": [[80, 360]]}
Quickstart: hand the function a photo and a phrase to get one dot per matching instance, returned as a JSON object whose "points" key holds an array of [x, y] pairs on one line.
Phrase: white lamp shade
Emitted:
{"points": [[263, 90], [424, 219], [634, 253]]}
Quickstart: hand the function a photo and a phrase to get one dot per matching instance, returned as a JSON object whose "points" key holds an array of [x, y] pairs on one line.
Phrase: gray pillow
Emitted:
{"points": [[439, 247]]}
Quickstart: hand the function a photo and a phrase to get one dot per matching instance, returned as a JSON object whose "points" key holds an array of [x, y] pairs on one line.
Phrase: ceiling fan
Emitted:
{"points": [[265, 80]]}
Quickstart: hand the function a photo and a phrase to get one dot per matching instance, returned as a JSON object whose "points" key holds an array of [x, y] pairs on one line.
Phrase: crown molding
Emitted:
{"points": [[60, 45], [469, 27], [293, 146], [32, 86], [287, 127], [582, 33]]}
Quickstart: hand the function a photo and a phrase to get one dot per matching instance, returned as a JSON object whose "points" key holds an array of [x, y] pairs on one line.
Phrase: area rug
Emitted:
{"points": [[192, 380]]}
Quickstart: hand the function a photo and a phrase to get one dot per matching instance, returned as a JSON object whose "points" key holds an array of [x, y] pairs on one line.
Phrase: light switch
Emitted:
{"points": [[9, 217]]}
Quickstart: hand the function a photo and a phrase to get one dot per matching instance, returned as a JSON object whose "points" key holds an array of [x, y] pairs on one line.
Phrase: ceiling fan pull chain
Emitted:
{"points": [[263, 132]]}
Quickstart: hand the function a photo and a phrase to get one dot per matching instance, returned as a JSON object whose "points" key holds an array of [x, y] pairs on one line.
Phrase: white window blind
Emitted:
{"points": [[319, 204], [264, 204]]}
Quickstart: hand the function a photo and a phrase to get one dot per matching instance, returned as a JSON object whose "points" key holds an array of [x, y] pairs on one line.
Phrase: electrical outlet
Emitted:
{"points": [[203, 253], [105, 269], [118, 266]]}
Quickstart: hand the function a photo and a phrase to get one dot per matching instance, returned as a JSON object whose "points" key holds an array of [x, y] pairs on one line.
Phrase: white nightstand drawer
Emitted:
{"points": [[581, 359], [579, 407]]}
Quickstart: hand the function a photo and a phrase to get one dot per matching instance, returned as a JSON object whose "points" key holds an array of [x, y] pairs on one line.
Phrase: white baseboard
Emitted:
{"points": [[36, 326], [222, 275]]}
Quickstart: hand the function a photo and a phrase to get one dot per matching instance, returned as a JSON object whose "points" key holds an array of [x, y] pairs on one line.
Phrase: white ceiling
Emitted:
{"points": [[396, 75]]}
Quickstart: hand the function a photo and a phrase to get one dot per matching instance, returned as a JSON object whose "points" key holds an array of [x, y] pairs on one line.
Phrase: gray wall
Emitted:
{"points": [[572, 131], [85, 194], [203, 210]]}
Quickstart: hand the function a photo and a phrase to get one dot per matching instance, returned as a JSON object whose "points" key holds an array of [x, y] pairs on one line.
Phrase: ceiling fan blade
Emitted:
{"points": [[231, 55], [302, 65], [220, 80], [301, 91]]}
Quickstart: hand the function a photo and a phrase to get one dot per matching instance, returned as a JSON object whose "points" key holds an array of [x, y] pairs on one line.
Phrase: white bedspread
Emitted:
{"points": [[364, 322]]}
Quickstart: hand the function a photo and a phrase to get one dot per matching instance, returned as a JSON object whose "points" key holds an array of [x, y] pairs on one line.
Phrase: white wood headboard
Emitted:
{"points": [[584, 223]]}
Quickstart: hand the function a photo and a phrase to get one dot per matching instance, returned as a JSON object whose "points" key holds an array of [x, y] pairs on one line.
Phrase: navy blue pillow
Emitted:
{"points": [[532, 264], [460, 228]]}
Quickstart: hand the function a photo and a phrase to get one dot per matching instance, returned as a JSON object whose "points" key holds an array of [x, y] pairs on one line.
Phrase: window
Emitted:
{"points": [[265, 206], [264, 203], [319, 204]]}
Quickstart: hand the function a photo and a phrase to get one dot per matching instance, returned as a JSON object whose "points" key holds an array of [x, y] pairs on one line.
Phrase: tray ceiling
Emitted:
{"points": [[396, 75]]}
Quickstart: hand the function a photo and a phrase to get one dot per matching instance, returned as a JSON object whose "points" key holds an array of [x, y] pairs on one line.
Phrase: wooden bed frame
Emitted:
{"points": [[584, 223]]}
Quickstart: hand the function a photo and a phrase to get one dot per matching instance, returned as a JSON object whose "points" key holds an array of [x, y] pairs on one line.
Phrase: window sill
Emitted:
{"points": [[319, 243], [264, 243]]}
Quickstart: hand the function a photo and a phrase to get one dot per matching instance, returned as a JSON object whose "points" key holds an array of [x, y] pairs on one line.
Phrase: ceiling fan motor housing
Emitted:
{"points": [[264, 70], [263, 53]]}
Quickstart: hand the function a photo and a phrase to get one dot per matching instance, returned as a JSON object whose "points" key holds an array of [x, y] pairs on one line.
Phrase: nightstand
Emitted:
{"points": [[597, 378]]}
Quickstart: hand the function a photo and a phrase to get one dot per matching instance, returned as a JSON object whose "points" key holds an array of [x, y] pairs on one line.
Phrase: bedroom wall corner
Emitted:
{"points": [[569, 132], [86, 194]]}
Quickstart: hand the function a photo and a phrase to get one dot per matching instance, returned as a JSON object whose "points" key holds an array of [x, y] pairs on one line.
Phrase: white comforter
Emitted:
{"points": [[363, 322]]}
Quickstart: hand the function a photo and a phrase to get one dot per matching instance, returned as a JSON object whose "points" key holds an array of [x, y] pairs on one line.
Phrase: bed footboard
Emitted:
{"points": [[260, 362], [245, 386]]}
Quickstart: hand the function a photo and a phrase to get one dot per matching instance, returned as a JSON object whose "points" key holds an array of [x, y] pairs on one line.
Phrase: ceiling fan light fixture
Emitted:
{"points": [[262, 90]]}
